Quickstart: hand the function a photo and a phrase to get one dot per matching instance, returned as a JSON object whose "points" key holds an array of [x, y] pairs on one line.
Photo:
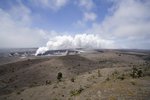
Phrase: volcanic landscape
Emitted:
{"points": [[102, 74]]}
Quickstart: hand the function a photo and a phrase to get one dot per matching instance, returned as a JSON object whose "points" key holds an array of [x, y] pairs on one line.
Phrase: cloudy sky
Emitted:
{"points": [[56, 24]]}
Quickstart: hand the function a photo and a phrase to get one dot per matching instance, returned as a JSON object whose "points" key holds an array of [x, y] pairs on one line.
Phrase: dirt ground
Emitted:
{"points": [[107, 75]]}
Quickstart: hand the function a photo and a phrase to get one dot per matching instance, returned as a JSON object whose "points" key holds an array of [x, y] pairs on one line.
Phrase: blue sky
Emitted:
{"points": [[113, 23], [60, 18]]}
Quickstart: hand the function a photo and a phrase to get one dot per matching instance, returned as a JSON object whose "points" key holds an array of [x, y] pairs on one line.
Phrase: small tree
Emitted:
{"points": [[59, 76]]}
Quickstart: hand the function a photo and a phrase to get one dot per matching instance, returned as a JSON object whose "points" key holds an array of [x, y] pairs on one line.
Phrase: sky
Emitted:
{"points": [[62, 24]]}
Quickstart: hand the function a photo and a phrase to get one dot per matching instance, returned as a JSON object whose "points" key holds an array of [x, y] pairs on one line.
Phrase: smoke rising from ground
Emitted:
{"points": [[90, 41]]}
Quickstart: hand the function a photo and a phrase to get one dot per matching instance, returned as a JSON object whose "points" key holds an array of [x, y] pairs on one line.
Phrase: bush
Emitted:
{"points": [[146, 71], [133, 82], [76, 92], [18, 92], [121, 77], [115, 73], [59, 76], [139, 73], [99, 73], [107, 79], [72, 79], [48, 82], [136, 72]]}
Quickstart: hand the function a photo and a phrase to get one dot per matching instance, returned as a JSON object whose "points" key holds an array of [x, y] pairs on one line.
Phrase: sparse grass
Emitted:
{"points": [[78, 64], [18, 93], [93, 77], [133, 82], [130, 93], [112, 98], [146, 71], [76, 92], [136, 72], [34, 82], [99, 73], [15, 86], [55, 86], [115, 74], [147, 58], [107, 79], [48, 82], [121, 77], [62, 95], [89, 72], [140, 73]]}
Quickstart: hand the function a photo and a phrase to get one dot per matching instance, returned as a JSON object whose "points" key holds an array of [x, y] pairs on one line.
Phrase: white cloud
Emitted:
{"points": [[127, 26], [52, 4], [21, 13], [86, 4], [15, 29], [77, 41], [130, 17], [89, 16], [129, 22], [80, 24]]}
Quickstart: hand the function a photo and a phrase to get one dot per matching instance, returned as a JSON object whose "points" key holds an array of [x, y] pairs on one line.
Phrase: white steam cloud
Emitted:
{"points": [[78, 41]]}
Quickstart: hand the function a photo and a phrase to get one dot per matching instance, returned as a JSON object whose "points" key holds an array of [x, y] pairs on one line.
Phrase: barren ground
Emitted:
{"points": [[89, 76]]}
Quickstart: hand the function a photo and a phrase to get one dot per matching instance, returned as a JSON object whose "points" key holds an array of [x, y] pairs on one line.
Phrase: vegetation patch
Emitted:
{"points": [[121, 77], [136, 72], [76, 92], [72, 79], [133, 82], [59, 76], [99, 73]]}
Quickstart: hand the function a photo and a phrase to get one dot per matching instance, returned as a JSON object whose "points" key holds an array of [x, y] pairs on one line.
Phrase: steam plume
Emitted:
{"points": [[78, 41]]}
